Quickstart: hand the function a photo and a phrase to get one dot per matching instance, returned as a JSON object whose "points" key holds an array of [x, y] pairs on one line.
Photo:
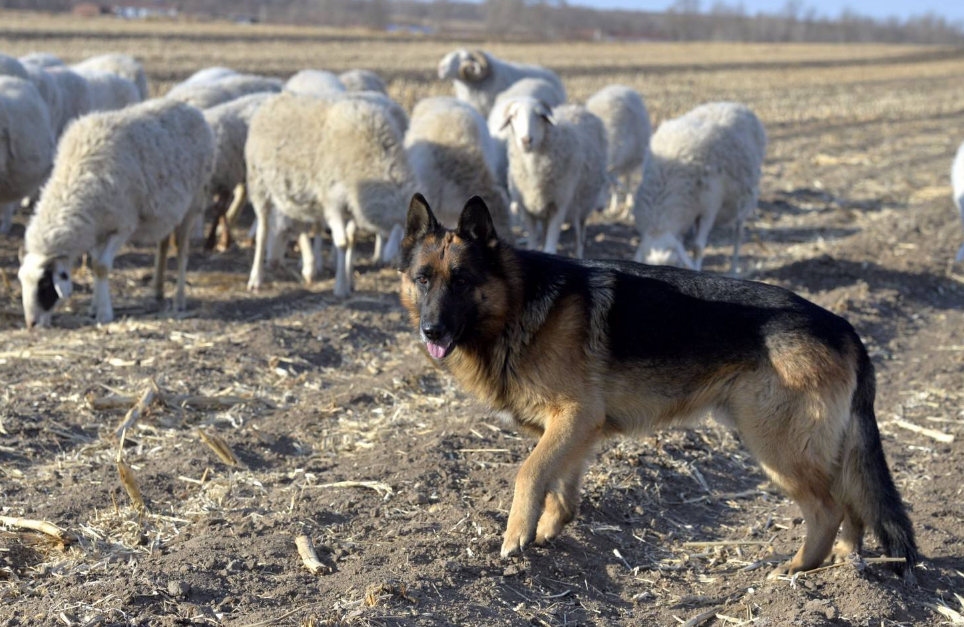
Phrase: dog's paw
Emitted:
{"points": [[514, 543], [782, 570]]}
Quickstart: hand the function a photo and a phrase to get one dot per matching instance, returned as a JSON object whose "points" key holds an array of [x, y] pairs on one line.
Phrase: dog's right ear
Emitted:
{"points": [[420, 223]]}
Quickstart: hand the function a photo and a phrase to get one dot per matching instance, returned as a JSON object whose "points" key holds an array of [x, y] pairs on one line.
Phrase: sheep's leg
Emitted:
{"points": [[103, 262], [703, 228], [350, 231], [339, 237], [6, 217], [160, 265], [261, 234], [393, 244], [580, 228], [684, 256], [737, 240], [308, 261], [554, 231], [377, 255], [183, 243], [532, 232], [218, 210], [318, 248]]}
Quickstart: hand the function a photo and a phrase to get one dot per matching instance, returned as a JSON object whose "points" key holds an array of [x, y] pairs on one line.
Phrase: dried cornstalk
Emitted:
{"points": [[130, 485], [137, 410], [219, 446], [307, 552], [42, 526], [701, 618], [119, 401], [382, 488], [940, 436]]}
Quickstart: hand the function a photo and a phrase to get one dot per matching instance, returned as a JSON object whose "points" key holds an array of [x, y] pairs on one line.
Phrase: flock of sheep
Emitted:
{"points": [[333, 152]]}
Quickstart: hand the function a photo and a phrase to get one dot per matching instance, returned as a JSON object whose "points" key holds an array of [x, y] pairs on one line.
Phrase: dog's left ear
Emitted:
{"points": [[475, 223]]}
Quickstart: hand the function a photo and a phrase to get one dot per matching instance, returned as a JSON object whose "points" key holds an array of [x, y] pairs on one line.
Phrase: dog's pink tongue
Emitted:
{"points": [[436, 350]]}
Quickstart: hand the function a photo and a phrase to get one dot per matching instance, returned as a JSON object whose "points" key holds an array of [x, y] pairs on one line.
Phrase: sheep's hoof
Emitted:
{"points": [[254, 284]]}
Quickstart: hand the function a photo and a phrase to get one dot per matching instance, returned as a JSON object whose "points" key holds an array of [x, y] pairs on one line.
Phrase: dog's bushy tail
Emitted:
{"points": [[872, 493]]}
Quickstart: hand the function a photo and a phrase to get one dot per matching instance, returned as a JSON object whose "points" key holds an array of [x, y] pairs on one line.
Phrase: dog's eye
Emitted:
{"points": [[421, 280], [461, 282], [63, 276]]}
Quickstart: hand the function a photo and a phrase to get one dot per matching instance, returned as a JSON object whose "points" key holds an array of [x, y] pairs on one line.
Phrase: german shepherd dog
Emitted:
{"points": [[574, 351]]}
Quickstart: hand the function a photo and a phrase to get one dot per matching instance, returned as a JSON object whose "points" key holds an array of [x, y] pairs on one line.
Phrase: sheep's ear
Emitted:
{"points": [[61, 277], [507, 115], [545, 112], [475, 223]]}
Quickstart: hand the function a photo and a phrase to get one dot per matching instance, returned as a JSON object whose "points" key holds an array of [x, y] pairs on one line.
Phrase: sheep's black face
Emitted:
{"points": [[47, 295], [44, 282]]}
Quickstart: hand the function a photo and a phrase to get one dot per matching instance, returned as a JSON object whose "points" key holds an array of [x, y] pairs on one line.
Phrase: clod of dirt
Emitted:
{"points": [[179, 589], [512, 570]]}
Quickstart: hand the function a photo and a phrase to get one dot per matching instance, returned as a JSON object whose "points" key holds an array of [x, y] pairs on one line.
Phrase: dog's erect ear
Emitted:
{"points": [[475, 223], [421, 221]]}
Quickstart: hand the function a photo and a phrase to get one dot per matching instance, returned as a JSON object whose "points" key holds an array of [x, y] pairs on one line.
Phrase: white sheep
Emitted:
{"points": [[41, 60], [314, 83], [537, 88], [49, 90], [10, 66], [957, 180], [703, 170], [362, 80], [209, 75], [110, 92], [557, 169], [479, 77], [133, 174], [121, 65], [229, 123], [205, 95], [624, 115], [339, 161], [75, 97], [27, 148], [449, 150]]}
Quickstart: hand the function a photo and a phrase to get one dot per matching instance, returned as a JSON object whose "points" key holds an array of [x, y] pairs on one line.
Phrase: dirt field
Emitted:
{"points": [[311, 391]]}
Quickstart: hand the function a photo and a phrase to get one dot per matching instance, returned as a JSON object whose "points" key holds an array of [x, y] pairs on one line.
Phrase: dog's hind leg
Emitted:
{"points": [[851, 537], [823, 520]]}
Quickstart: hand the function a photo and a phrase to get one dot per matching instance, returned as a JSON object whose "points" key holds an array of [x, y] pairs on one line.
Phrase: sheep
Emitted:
{"points": [[557, 168], [479, 77], [10, 66], [362, 80], [109, 92], [75, 97], [624, 115], [26, 152], [957, 180], [205, 95], [133, 174], [703, 169], [449, 149], [334, 160], [41, 60], [49, 90], [229, 123], [209, 75], [119, 65], [314, 83], [542, 90]]}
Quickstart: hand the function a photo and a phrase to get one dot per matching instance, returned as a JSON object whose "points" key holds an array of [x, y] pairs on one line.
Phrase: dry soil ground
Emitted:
{"points": [[855, 214]]}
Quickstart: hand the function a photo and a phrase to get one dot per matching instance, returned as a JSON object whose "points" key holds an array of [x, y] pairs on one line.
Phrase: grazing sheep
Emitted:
{"points": [[703, 169], [41, 60], [49, 90], [339, 161], [540, 89], [626, 120], [10, 66], [209, 75], [479, 77], [449, 149], [110, 92], [75, 96], [362, 80], [229, 123], [27, 148], [957, 179], [205, 95], [133, 174], [119, 65], [314, 83], [557, 168]]}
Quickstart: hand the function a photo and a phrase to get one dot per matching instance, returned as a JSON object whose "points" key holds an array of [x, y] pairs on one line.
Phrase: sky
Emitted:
{"points": [[951, 9]]}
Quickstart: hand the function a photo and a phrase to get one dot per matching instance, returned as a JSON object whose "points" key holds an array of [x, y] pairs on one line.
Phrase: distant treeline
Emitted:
{"points": [[685, 20]]}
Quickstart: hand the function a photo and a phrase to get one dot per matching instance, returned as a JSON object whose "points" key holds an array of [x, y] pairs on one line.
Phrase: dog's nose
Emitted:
{"points": [[433, 331]]}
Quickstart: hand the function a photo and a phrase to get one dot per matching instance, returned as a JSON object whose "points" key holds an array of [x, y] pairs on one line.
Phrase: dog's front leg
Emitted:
{"points": [[557, 460]]}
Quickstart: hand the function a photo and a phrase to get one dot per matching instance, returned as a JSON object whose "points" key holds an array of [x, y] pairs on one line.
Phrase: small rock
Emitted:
{"points": [[453, 566], [179, 589], [419, 498], [512, 570]]}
